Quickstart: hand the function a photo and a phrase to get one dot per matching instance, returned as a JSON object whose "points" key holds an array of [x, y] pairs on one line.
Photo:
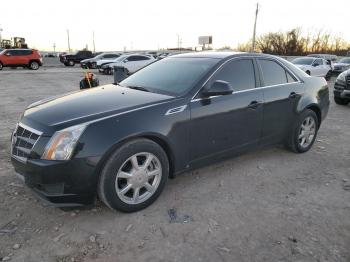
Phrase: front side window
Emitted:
{"points": [[239, 73], [273, 73]]}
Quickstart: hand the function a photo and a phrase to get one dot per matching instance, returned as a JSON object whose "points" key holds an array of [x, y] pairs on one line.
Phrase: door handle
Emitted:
{"points": [[293, 95], [254, 104]]}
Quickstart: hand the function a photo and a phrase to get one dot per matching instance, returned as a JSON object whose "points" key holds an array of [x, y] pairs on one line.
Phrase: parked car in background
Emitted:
{"points": [[131, 63], [330, 57], [123, 142], [314, 66], [92, 62], [29, 58], [72, 59], [342, 88], [342, 65]]}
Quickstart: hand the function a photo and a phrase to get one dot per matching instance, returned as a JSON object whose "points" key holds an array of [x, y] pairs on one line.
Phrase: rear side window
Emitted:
{"points": [[239, 73], [273, 73]]}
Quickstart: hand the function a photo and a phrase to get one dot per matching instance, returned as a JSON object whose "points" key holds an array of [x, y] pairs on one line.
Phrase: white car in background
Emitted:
{"points": [[342, 65], [131, 63], [314, 66]]}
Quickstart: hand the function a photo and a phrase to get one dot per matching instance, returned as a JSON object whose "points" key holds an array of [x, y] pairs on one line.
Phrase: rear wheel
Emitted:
{"points": [[304, 132], [341, 101], [1, 66], [308, 72], [134, 176], [33, 65]]}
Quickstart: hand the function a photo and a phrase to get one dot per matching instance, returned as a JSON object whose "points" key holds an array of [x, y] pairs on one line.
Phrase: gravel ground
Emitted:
{"points": [[267, 205]]}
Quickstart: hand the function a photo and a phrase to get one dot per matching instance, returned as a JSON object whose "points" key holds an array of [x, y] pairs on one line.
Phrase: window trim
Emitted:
{"points": [[257, 77], [284, 67], [219, 68]]}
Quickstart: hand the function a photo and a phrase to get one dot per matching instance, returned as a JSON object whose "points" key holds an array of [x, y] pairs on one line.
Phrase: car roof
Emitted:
{"points": [[221, 55]]}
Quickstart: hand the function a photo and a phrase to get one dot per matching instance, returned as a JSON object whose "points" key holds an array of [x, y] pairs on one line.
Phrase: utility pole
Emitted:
{"points": [[178, 41], [0, 34], [54, 47], [93, 40], [254, 31], [68, 40]]}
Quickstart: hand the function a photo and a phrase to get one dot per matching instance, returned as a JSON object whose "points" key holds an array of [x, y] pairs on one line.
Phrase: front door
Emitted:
{"points": [[228, 122]]}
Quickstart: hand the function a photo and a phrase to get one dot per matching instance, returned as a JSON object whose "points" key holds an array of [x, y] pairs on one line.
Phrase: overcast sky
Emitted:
{"points": [[154, 24]]}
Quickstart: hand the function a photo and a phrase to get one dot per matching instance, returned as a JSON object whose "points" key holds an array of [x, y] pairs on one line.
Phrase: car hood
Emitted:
{"points": [[79, 107], [341, 64], [102, 61], [302, 66]]}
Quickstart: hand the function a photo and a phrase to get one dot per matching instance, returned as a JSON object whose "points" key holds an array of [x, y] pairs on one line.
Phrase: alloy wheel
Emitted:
{"points": [[34, 65], [307, 132], [138, 178]]}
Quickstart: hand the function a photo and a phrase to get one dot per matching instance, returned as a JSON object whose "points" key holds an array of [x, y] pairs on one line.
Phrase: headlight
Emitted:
{"points": [[341, 77], [62, 144]]}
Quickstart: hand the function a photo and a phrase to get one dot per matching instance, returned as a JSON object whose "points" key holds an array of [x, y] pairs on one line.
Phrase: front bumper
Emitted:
{"points": [[342, 93], [60, 183]]}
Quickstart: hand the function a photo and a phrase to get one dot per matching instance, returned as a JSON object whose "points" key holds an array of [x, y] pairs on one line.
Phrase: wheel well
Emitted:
{"points": [[318, 113], [153, 138], [34, 60]]}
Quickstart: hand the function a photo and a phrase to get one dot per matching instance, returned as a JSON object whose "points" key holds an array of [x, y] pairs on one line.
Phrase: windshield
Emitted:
{"points": [[2, 51], [173, 76], [345, 60], [120, 58], [303, 61]]}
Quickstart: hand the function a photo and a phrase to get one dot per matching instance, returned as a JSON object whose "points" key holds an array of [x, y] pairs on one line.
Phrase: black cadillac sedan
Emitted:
{"points": [[122, 142]]}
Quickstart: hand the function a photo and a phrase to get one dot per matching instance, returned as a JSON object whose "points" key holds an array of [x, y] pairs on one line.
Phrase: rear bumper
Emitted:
{"points": [[59, 183]]}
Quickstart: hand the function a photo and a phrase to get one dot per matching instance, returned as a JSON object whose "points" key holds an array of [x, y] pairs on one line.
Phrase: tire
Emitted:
{"points": [[1, 66], [93, 65], [120, 181], [294, 141], [308, 72], [71, 63], [33, 65], [341, 101]]}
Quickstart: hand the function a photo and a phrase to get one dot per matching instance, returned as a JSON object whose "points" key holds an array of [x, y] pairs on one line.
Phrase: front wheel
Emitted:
{"points": [[304, 132], [134, 176], [341, 101], [1, 66]]}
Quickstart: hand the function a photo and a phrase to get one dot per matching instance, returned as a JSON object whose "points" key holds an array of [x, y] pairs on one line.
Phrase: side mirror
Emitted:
{"points": [[218, 88], [8, 54], [126, 60], [315, 65]]}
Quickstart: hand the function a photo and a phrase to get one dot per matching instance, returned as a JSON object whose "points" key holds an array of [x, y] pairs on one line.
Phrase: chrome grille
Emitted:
{"points": [[348, 82], [23, 141]]}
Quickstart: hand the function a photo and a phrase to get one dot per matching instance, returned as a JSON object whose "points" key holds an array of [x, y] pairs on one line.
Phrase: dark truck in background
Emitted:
{"points": [[72, 59]]}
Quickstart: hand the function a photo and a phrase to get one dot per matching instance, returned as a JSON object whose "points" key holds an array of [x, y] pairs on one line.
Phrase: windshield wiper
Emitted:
{"points": [[141, 88]]}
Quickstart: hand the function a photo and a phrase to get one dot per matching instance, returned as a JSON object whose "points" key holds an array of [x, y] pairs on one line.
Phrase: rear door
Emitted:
{"points": [[282, 91], [228, 122]]}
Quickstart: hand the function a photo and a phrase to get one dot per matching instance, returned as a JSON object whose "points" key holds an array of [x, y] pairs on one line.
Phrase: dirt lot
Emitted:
{"points": [[269, 205]]}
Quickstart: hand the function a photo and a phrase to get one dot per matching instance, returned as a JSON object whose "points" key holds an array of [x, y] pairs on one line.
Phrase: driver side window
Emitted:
{"points": [[239, 73]]}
